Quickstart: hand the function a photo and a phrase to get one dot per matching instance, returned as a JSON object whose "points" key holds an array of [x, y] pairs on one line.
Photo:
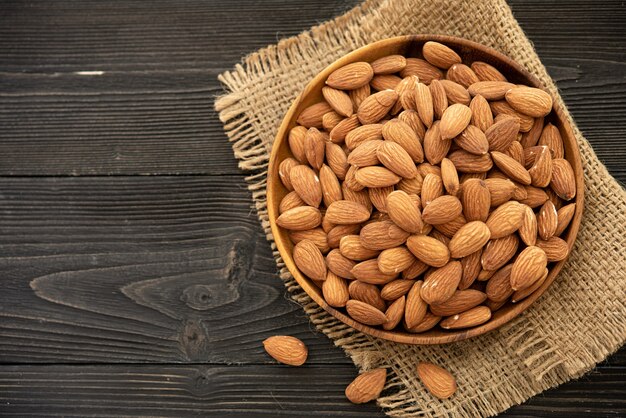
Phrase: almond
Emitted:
{"points": [[490, 90], [395, 289], [456, 93], [426, 168], [530, 138], [376, 177], [335, 290], [461, 301], [367, 386], [473, 140], [311, 117], [547, 220], [382, 235], [352, 248], [394, 260], [364, 313], [471, 268], [376, 106], [411, 118], [316, 235], [290, 201], [461, 74], [476, 200], [485, 275], [389, 64], [501, 107], [486, 72], [528, 230], [474, 317], [501, 134], [441, 210], [551, 137], [499, 286], [415, 307], [339, 132], [426, 324], [296, 138], [351, 76], [385, 82], [367, 293], [300, 218], [314, 147], [338, 100], [395, 313], [524, 293], [331, 119], [287, 350], [435, 148], [432, 188], [439, 99], [440, 55], [501, 190], [359, 94], [454, 120], [541, 171], [440, 284], [564, 217], [283, 171], [403, 212], [378, 196], [339, 264], [428, 250], [331, 189], [482, 117], [511, 168], [554, 198], [505, 219], [499, 251], [470, 238], [365, 154], [424, 103], [306, 183], [406, 93], [516, 151], [528, 267], [563, 181], [396, 159], [401, 133], [535, 197], [449, 177], [422, 69], [337, 160], [470, 163], [361, 196], [439, 382], [555, 248], [309, 260], [529, 101]]}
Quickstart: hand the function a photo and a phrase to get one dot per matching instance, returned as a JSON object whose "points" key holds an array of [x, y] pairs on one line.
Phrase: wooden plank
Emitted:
{"points": [[140, 269], [151, 111], [244, 391]]}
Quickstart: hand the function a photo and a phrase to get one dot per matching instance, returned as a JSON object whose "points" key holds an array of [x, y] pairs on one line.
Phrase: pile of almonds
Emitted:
{"points": [[426, 192]]}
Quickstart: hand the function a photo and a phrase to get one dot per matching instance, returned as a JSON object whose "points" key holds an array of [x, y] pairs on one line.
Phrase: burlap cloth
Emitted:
{"points": [[577, 323]]}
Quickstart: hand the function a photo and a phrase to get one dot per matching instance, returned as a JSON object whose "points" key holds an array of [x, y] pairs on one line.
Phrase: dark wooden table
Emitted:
{"points": [[136, 279]]}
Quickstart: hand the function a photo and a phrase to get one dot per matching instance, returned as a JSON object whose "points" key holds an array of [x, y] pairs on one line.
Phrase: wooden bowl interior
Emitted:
{"points": [[411, 46]]}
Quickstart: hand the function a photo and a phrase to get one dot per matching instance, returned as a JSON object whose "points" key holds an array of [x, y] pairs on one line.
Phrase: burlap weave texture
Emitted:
{"points": [[578, 322]]}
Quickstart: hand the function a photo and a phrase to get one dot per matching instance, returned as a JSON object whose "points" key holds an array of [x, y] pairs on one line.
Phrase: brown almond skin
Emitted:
{"points": [[471, 318], [528, 229], [505, 219], [461, 301], [364, 313], [359, 94], [450, 228], [381, 235], [427, 323], [456, 93], [389, 64], [439, 382], [435, 148], [424, 104], [331, 119], [300, 218], [563, 180], [425, 71], [335, 290], [428, 250], [338, 100], [499, 285], [432, 188], [528, 267], [367, 386], [501, 107], [331, 189], [541, 170], [529, 101], [551, 137], [564, 217], [466, 162], [524, 293], [346, 212], [486, 72], [401, 133], [283, 171], [501, 134], [471, 269], [476, 200], [415, 307], [368, 272], [360, 134], [290, 201], [376, 176], [396, 159], [530, 138], [415, 270], [338, 133], [511, 168], [450, 177], [395, 289], [440, 100], [286, 349], [311, 117], [296, 142], [412, 119], [490, 90], [442, 210], [394, 260], [403, 212], [316, 235], [482, 117], [337, 160], [307, 184], [499, 251], [555, 248], [454, 120], [470, 238], [351, 76], [440, 55], [461, 74], [547, 220], [535, 197], [309, 260], [395, 313], [440, 284], [473, 140], [352, 248], [376, 106], [335, 233], [367, 293], [382, 82], [378, 197], [340, 265]]}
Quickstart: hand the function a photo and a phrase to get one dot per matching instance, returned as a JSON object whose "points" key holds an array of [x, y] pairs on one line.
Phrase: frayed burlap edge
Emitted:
{"points": [[532, 353]]}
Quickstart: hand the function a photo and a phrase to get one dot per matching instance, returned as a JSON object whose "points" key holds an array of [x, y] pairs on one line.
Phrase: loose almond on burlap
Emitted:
{"points": [[580, 319]]}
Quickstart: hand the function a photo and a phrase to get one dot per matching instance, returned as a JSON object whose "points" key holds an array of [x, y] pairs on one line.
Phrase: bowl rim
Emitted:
{"points": [[428, 337]]}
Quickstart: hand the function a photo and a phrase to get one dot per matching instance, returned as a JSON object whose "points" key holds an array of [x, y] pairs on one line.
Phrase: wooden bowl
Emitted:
{"points": [[411, 46]]}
